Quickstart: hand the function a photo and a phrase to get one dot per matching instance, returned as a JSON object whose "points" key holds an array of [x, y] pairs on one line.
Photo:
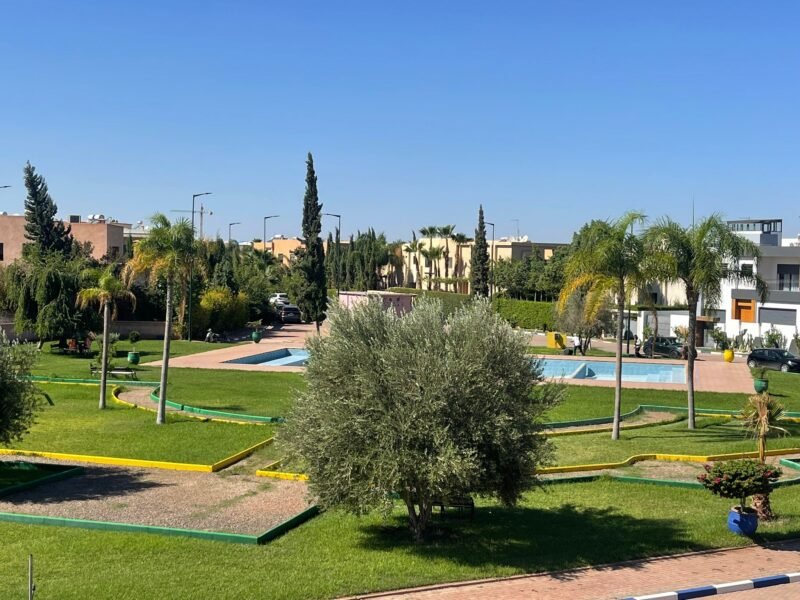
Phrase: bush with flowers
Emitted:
{"points": [[739, 479]]}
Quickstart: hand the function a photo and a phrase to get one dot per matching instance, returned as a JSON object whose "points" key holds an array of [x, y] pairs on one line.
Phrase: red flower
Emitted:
{"points": [[717, 480]]}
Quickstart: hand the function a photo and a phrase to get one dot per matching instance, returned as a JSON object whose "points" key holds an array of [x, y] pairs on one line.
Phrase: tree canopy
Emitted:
{"points": [[479, 265], [312, 297], [18, 395], [41, 226]]}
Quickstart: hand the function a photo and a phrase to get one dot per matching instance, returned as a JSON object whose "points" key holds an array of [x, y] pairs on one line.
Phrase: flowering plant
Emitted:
{"points": [[739, 479]]}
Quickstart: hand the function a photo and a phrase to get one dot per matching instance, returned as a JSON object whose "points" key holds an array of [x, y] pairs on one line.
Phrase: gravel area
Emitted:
{"points": [[228, 501]]}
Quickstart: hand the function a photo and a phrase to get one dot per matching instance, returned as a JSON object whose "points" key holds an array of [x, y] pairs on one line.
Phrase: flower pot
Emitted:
{"points": [[255, 336], [728, 355], [133, 358], [760, 385], [742, 523]]}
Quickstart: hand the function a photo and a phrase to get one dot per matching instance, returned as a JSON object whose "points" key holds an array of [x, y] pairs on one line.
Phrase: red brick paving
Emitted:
{"points": [[631, 578]]}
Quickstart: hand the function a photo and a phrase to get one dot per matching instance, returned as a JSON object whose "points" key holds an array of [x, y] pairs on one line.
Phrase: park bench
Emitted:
{"points": [[118, 372], [462, 503]]}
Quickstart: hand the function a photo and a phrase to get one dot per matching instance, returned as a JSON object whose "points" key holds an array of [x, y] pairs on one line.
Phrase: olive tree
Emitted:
{"points": [[421, 407], [18, 396]]}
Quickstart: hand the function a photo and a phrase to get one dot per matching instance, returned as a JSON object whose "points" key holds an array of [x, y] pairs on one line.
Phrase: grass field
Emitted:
{"points": [[561, 527], [75, 425]]}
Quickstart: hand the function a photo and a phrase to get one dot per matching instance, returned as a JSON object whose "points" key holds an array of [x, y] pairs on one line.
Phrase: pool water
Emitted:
{"points": [[283, 357], [603, 370]]}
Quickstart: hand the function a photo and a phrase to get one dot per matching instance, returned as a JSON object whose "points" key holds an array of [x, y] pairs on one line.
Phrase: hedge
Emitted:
{"points": [[525, 313], [450, 300]]}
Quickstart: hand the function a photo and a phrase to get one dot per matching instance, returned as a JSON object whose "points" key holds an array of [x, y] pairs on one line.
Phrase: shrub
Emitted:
{"points": [[526, 314], [134, 336], [221, 310], [739, 479], [773, 338], [681, 332], [720, 338], [424, 407], [18, 396], [451, 301]]}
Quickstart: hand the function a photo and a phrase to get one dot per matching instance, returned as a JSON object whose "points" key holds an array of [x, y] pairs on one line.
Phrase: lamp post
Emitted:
{"points": [[491, 265], [230, 226], [264, 239], [191, 268], [338, 252], [628, 329]]}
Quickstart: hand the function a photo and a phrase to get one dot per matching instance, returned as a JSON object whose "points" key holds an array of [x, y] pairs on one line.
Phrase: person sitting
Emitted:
{"points": [[210, 336], [637, 346]]}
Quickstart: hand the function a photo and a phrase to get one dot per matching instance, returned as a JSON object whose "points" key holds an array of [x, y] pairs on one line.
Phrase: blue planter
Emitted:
{"points": [[742, 523]]}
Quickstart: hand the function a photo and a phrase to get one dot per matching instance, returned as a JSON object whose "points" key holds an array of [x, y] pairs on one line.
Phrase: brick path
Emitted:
{"points": [[631, 578]]}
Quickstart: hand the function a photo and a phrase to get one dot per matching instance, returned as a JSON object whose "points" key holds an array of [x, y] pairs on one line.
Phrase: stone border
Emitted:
{"points": [[722, 588]]}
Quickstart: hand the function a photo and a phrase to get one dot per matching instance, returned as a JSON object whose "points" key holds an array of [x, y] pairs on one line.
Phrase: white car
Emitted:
{"points": [[279, 298]]}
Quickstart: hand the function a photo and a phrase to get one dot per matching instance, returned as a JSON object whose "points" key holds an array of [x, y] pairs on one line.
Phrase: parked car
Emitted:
{"points": [[278, 298], [288, 313], [664, 346], [773, 358]]}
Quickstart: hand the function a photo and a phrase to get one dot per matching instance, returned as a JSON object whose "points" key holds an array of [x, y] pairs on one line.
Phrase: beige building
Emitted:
{"points": [[106, 237], [280, 247], [458, 257]]}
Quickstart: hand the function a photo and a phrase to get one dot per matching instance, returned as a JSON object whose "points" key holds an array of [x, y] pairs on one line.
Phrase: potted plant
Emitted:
{"points": [[760, 418], [255, 335], [760, 381], [133, 355], [739, 479]]}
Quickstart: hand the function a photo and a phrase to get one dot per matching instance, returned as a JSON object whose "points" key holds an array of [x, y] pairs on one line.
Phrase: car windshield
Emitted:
{"points": [[785, 354]]}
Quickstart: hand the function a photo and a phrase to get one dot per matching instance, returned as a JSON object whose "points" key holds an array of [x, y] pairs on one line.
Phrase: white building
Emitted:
{"points": [[779, 267]]}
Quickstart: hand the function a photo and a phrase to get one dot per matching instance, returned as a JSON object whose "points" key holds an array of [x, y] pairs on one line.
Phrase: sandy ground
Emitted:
{"points": [[227, 501]]}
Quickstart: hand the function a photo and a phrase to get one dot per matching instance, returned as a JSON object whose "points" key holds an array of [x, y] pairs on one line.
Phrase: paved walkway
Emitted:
{"points": [[288, 336], [630, 578]]}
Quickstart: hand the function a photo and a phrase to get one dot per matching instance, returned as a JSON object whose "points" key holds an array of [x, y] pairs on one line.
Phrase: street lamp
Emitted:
{"points": [[338, 252], [191, 267], [491, 264], [264, 239], [230, 226]]}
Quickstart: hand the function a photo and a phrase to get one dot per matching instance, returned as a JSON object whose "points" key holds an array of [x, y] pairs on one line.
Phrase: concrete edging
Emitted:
{"points": [[253, 419], [722, 588]]}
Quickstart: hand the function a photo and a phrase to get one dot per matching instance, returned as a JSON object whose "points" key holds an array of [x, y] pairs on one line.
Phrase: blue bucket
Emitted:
{"points": [[742, 523]]}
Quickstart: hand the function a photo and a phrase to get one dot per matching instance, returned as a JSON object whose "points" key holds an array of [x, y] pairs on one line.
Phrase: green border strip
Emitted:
{"points": [[215, 413], [216, 536], [110, 381], [649, 481], [62, 473]]}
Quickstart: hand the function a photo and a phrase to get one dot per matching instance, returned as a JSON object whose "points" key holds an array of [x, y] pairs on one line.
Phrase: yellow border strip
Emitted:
{"points": [[111, 460], [665, 457], [227, 462], [282, 475]]}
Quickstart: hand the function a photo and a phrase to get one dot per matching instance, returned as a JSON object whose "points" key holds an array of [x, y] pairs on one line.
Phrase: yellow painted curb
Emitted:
{"points": [[665, 457], [111, 460], [226, 462], [282, 475]]}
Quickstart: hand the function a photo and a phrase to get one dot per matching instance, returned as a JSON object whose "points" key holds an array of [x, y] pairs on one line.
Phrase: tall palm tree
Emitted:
{"points": [[607, 259], [436, 253], [165, 255], [760, 419], [430, 232], [412, 249], [105, 294], [460, 240], [446, 231], [700, 257]]}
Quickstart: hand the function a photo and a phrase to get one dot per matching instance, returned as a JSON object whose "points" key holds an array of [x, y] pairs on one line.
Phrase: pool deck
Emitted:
{"points": [[288, 336], [710, 374]]}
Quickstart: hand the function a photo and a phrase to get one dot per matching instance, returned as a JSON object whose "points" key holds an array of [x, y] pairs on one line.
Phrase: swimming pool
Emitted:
{"points": [[283, 357], [604, 370]]}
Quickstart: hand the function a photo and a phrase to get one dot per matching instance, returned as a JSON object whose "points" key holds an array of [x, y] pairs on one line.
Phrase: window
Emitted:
{"points": [[789, 278], [747, 270], [744, 310], [1, 251]]}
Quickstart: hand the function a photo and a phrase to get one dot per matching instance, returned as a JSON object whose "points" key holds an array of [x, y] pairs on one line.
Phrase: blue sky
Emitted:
{"points": [[416, 112]]}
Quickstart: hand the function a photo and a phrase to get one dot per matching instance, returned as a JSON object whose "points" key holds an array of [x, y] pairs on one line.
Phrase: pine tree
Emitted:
{"points": [[313, 297], [41, 227], [479, 262]]}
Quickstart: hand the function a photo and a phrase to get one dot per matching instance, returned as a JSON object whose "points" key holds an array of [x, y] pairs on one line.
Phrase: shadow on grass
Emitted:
{"points": [[93, 485], [533, 540]]}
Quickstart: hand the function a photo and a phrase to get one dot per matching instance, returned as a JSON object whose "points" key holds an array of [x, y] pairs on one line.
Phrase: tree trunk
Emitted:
{"points": [[317, 324], [763, 508], [618, 374], [418, 519], [691, 345], [104, 353], [162, 390]]}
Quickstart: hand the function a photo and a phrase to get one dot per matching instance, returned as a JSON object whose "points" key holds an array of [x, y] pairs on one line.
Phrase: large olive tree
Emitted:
{"points": [[18, 395], [422, 407]]}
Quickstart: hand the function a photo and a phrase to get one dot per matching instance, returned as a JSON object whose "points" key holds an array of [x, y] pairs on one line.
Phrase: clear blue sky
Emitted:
{"points": [[416, 112]]}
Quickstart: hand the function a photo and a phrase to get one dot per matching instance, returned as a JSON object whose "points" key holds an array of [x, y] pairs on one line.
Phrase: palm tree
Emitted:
{"points": [[446, 231], [760, 419], [165, 255], [606, 259], [700, 257], [105, 294], [412, 249], [460, 240], [429, 232], [435, 254]]}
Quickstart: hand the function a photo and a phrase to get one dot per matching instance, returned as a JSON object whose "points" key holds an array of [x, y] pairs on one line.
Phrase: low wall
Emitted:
{"points": [[149, 330]]}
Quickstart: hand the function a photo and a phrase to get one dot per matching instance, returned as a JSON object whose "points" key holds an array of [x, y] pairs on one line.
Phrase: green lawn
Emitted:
{"points": [[13, 474], [75, 425], [550, 351], [564, 526], [73, 366]]}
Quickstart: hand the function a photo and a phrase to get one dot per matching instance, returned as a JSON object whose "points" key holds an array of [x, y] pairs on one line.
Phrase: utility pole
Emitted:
{"points": [[338, 253], [31, 586], [264, 239], [628, 331], [230, 226], [191, 269], [491, 265]]}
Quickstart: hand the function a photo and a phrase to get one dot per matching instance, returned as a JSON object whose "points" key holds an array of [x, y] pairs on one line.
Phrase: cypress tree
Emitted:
{"points": [[41, 226], [479, 262], [313, 294]]}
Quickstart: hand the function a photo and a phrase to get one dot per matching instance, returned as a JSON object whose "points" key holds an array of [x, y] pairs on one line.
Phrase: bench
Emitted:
{"points": [[461, 503], [118, 372]]}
